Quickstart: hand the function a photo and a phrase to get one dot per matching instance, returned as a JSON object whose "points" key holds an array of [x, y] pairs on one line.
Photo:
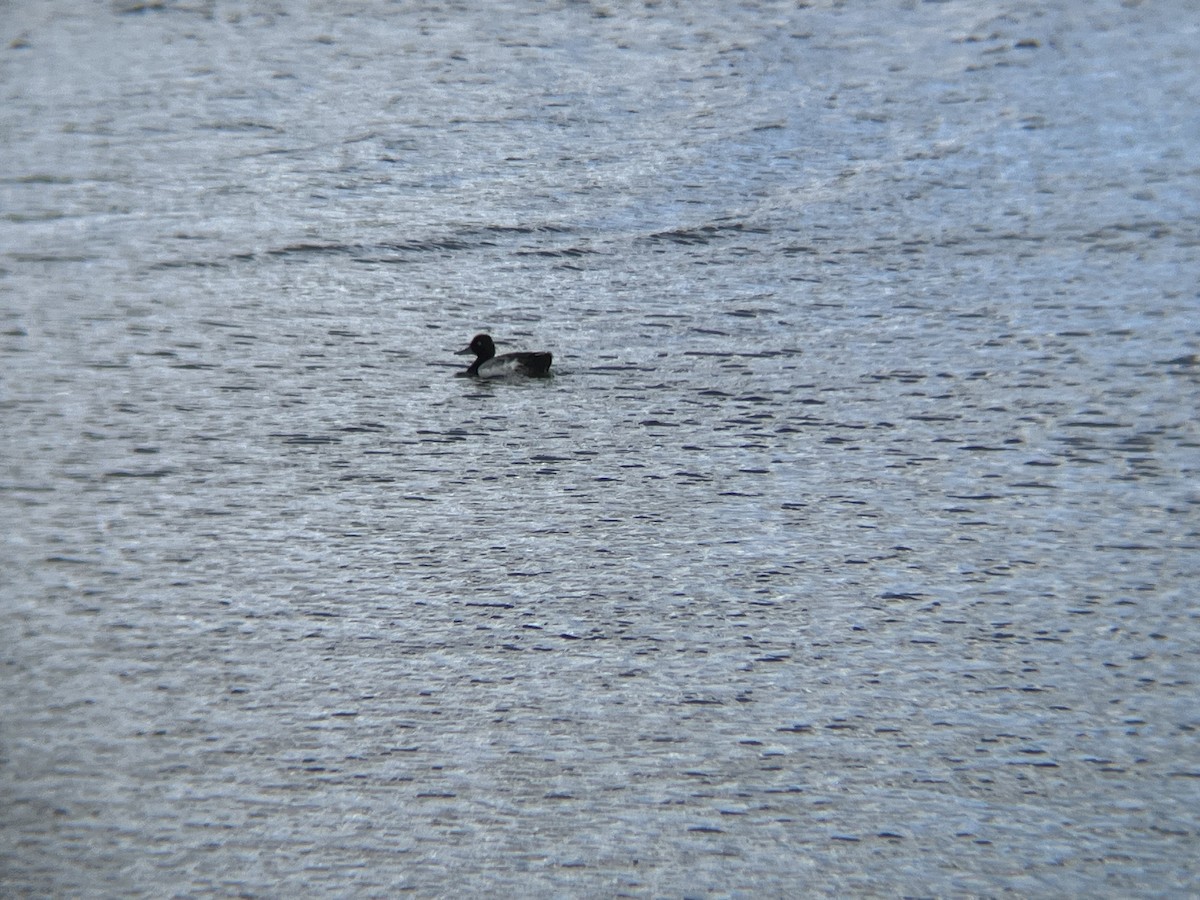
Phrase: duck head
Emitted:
{"points": [[481, 345]]}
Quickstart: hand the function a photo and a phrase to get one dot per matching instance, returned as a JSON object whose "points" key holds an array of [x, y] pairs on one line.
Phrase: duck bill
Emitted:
{"points": [[465, 351]]}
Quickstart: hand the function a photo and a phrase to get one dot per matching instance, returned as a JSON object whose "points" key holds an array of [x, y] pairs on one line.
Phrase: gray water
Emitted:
{"points": [[851, 549]]}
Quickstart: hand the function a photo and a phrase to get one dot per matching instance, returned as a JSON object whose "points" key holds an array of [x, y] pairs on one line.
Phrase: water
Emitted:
{"points": [[851, 549]]}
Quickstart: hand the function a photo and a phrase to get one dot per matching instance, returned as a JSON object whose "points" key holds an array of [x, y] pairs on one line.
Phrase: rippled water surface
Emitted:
{"points": [[851, 549]]}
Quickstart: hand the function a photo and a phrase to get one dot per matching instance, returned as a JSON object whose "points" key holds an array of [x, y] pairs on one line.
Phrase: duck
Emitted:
{"points": [[488, 365]]}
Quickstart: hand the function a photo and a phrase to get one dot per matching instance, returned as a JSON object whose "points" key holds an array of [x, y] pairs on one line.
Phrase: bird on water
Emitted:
{"points": [[488, 365]]}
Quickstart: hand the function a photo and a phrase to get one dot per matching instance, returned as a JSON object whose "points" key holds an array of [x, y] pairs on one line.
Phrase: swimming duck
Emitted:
{"points": [[488, 365]]}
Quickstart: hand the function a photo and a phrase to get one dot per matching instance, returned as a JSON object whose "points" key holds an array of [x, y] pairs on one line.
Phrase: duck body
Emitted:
{"points": [[488, 365]]}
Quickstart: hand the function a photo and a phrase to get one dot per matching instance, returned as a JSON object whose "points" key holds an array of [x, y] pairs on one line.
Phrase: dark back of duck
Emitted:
{"points": [[536, 365]]}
